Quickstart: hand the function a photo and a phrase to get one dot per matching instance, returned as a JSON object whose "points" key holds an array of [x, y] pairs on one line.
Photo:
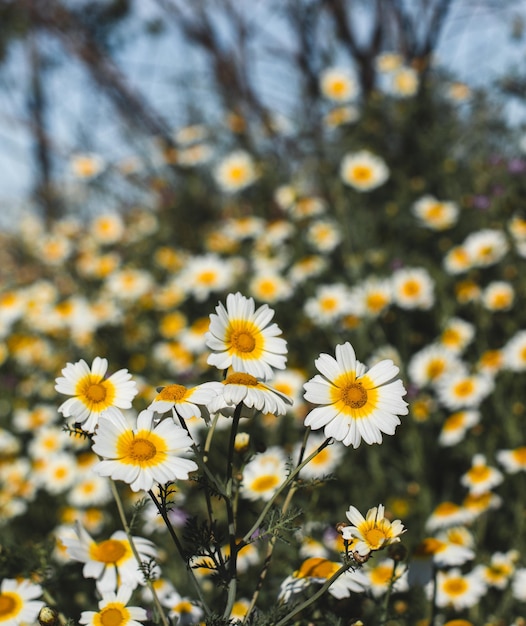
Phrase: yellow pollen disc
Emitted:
{"points": [[317, 567], [446, 508], [382, 574], [455, 586], [411, 288], [141, 450], [10, 605], [321, 458], [243, 341], [111, 616], [519, 455], [428, 547], [376, 301], [375, 537], [96, 393], [479, 473], [354, 395], [435, 369], [207, 278], [108, 551], [265, 483], [183, 607], [454, 422], [237, 173], [361, 173], [239, 378], [328, 304], [172, 393], [464, 388]]}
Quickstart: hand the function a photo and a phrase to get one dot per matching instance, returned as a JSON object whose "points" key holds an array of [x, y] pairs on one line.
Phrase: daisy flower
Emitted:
{"points": [[457, 334], [481, 478], [341, 115], [515, 352], [456, 425], [329, 303], [513, 461], [324, 235], [500, 569], [430, 364], [363, 170], [111, 561], [477, 504], [264, 474], [242, 337], [206, 274], [129, 284], [145, 455], [18, 604], [107, 229], [462, 390], [457, 260], [498, 296], [413, 288], [235, 172], [93, 395], [239, 387], [518, 585], [270, 287], [337, 84], [434, 214], [372, 532], [113, 611], [404, 82], [486, 247], [356, 403], [182, 610], [183, 400], [381, 577], [447, 514], [324, 462], [87, 165], [458, 590], [371, 298]]}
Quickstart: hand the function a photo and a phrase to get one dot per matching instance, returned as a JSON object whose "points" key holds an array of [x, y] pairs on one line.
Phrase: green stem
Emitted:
{"points": [[126, 528], [232, 563], [314, 597], [281, 488], [178, 545]]}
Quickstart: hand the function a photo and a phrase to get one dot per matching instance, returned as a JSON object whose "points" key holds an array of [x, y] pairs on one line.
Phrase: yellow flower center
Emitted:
{"points": [[109, 551], [207, 278], [172, 393], [428, 547], [145, 448], [446, 508], [10, 605], [265, 483], [435, 369], [479, 473], [361, 173], [243, 341], [382, 574], [454, 422], [237, 173], [239, 378], [354, 395], [464, 388], [411, 288], [376, 301], [112, 615], [455, 586], [375, 537], [519, 455], [96, 392], [142, 450], [435, 211], [328, 304], [317, 567], [183, 607]]}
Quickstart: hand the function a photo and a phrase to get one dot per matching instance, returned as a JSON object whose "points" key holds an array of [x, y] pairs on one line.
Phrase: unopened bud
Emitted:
{"points": [[340, 526], [241, 442], [397, 552], [48, 616]]}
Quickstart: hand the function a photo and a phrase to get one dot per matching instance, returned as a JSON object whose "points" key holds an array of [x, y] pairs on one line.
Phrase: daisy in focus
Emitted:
{"points": [[114, 612], [110, 562], [372, 532], [241, 337], [18, 603], [145, 455], [356, 403], [363, 170], [93, 395]]}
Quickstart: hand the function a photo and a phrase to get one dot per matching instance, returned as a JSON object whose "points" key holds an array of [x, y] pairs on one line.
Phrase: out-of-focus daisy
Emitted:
{"points": [[111, 561], [476, 504], [481, 478], [413, 288], [143, 455], [92, 394], [456, 425], [363, 170], [263, 475], [240, 387], [113, 611], [89, 490], [404, 82], [467, 291], [435, 214], [239, 610], [307, 267], [457, 260], [338, 84], [53, 249], [515, 352], [430, 364], [380, 577], [356, 403], [206, 274], [372, 532], [518, 585], [500, 569], [462, 390], [107, 229], [457, 334], [486, 247], [235, 171], [432, 553], [12, 305], [498, 296], [388, 62], [129, 284], [87, 165], [241, 337], [371, 298], [184, 400], [18, 602], [57, 473], [324, 235], [459, 92], [490, 362], [341, 115], [47, 441], [458, 590], [172, 354], [329, 304], [324, 462], [513, 461], [447, 514], [182, 609], [270, 287]]}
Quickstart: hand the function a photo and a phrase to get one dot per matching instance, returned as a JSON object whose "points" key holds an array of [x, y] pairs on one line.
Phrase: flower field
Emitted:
{"points": [[286, 384]]}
